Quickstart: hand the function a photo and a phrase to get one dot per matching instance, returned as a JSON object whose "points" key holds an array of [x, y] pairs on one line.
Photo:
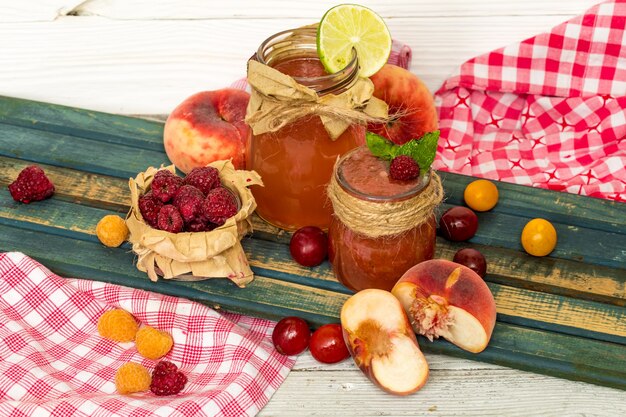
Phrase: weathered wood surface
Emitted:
{"points": [[455, 388], [144, 57], [561, 315]]}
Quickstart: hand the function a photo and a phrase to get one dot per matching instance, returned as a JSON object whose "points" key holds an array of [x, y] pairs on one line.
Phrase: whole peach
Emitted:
{"points": [[207, 127], [409, 100]]}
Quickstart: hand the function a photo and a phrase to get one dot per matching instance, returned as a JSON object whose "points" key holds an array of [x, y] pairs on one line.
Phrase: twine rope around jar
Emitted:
{"points": [[277, 100], [376, 219]]}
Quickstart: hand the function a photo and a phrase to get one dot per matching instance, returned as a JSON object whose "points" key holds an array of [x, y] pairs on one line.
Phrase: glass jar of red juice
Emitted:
{"points": [[296, 161], [381, 227]]}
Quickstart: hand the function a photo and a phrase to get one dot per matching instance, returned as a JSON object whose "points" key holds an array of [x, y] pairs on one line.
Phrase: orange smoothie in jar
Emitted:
{"points": [[360, 261], [296, 162]]}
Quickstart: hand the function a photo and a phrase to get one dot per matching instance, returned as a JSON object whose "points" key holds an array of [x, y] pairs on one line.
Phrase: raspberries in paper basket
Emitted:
{"points": [[204, 179], [149, 206], [165, 185], [31, 185], [196, 203], [219, 205]]}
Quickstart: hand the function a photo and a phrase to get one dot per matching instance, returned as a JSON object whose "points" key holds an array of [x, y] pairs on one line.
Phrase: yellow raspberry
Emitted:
{"points": [[117, 325], [132, 377], [112, 230], [152, 343]]}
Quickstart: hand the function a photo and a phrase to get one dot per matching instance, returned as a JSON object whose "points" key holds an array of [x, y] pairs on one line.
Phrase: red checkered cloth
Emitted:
{"points": [[548, 112], [53, 362]]}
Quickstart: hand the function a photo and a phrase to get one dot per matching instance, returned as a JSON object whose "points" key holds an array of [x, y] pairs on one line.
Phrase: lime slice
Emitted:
{"points": [[350, 26]]}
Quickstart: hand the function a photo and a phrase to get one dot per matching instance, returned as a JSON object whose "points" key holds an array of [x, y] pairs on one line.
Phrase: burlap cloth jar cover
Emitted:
{"points": [[199, 255]]}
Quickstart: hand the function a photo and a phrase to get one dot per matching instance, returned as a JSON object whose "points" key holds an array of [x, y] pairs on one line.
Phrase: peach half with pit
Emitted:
{"points": [[446, 299], [208, 126], [411, 105], [380, 339]]}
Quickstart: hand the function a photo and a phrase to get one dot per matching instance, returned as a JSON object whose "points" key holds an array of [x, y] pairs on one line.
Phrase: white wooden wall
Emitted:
{"points": [[145, 56]]}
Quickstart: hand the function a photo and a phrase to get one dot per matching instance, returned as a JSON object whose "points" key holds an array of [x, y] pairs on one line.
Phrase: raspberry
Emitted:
{"points": [[112, 231], [132, 377], [219, 205], [404, 168], [167, 379], [152, 343], [170, 219], [31, 185], [199, 225], [149, 207], [204, 179], [165, 185], [189, 202], [117, 325]]}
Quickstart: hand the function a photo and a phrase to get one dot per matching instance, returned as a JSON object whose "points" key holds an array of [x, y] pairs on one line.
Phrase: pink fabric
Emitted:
{"points": [[53, 362], [547, 112], [400, 55]]}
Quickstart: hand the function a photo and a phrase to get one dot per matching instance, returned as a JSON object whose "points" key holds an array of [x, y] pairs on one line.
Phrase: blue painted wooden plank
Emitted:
{"points": [[515, 199], [529, 349], [70, 121], [77, 153], [272, 259]]}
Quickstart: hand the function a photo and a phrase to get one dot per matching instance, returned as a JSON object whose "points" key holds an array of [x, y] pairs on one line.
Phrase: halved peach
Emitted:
{"points": [[449, 300], [383, 345]]}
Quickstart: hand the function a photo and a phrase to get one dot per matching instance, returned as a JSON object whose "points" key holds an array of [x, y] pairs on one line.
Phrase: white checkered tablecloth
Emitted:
{"points": [[547, 112], [54, 363]]}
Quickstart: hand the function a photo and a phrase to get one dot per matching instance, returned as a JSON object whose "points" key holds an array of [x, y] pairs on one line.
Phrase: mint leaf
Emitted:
{"points": [[380, 146], [423, 150]]}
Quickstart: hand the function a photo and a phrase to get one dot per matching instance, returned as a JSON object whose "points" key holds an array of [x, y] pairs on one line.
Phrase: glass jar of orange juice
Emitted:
{"points": [[381, 226], [296, 161]]}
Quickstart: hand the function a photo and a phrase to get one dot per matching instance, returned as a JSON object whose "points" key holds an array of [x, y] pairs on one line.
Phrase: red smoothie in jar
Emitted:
{"points": [[368, 176], [360, 260], [301, 67], [296, 162]]}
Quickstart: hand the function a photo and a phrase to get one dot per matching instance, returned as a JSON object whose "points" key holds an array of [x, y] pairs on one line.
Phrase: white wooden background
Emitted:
{"points": [[145, 56]]}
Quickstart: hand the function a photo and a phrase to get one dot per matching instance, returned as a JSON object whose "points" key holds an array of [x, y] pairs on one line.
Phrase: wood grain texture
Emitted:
{"points": [[567, 277], [269, 9], [149, 66], [55, 135], [272, 259], [449, 392], [36, 10], [73, 246], [140, 57], [538, 350]]}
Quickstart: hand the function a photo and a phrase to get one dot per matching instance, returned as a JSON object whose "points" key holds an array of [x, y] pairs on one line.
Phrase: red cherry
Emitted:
{"points": [[309, 246], [458, 224], [472, 259], [291, 336], [327, 344]]}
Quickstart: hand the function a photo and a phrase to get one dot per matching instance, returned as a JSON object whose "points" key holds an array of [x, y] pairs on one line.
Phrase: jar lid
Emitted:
{"points": [[366, 177], [302, 43]]}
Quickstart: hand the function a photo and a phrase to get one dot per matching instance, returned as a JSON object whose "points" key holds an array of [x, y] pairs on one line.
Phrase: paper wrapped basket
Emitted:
{"points": [[199, 255]]}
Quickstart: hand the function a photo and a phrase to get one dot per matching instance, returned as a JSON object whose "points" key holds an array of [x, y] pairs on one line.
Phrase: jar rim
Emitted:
{"points": [[424, 180], [305, 39]]}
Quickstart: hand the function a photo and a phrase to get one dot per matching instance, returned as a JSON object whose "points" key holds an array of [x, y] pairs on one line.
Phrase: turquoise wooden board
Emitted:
{"points": [[561, 315]]}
